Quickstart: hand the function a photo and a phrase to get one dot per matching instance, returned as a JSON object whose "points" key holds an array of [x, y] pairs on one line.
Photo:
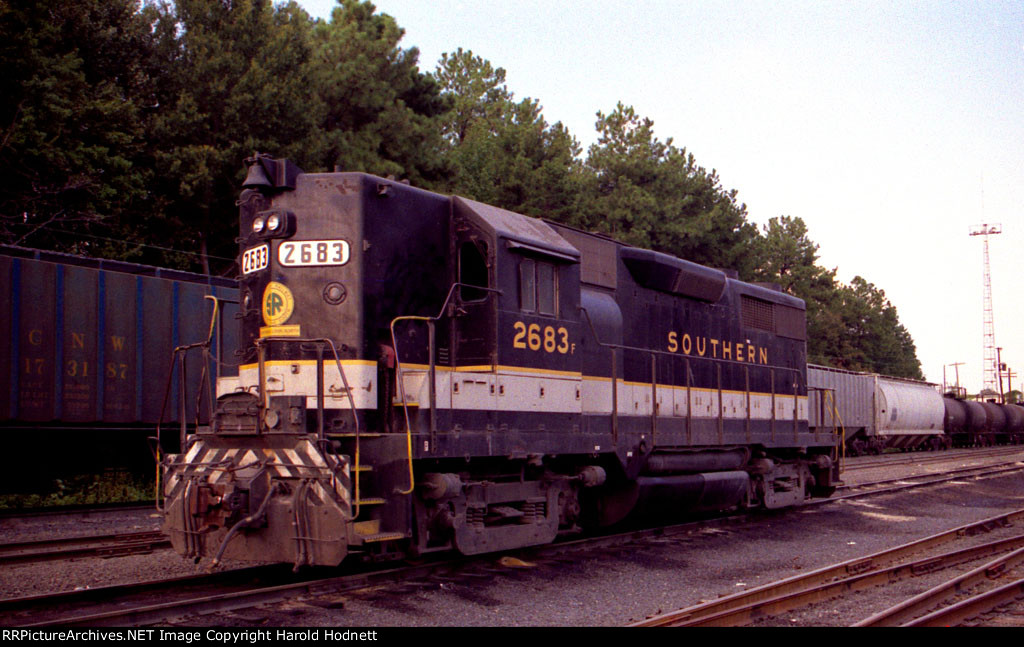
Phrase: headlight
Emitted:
{"points": [[273, 223]]}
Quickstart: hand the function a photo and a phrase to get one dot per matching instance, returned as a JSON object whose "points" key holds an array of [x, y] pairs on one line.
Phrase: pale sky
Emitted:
{"points": [[890, 128]]}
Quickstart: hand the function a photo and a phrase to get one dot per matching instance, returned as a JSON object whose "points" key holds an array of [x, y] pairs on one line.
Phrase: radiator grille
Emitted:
{"points": [[757, 313]]}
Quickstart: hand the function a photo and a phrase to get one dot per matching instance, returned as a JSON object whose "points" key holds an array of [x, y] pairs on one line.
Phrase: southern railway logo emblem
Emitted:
{"points": [[278, 304]]}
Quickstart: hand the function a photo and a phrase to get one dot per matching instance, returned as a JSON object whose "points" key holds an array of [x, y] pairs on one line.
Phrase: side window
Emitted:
{"points": [[472, 271], [547, 289], [527, 285], [538, 287]]}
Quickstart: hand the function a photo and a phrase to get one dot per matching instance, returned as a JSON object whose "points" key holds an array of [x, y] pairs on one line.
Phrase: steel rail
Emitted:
{"points": [[960, 471], [80, 509], [923, 602], [853, 464], [828, 589], [972, 607], [842, 570], [925, 480], [41, 610], [88, 546], [92, 607], [50, 608]]}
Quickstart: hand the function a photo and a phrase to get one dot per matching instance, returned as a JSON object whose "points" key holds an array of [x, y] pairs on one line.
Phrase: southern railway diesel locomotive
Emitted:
{"points": [[423, 373]]}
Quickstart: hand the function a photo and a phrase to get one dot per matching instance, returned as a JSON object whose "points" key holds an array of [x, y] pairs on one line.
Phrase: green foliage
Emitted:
{"points": [[373, 109], [501, 151], [86, 489], [651, 194], [138, 118], [787, 256], [231, 77], [478, 95], [853, 327], [70, 129], [874, 339]]}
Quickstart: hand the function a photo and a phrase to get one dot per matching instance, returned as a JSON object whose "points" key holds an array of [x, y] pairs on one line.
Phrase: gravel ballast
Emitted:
{"points": [[608, 587]]}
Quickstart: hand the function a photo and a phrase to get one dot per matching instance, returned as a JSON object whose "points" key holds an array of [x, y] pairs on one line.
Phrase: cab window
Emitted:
{"points": [[538, 287], [527, 285], [472, 271]]}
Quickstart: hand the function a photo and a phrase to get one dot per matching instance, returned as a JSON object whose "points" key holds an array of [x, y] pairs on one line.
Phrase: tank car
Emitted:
{"points": [[1004, 423], [909, 414], [995, 421], [982, 423], [957, 418], [878, 412], [423, 373], [1014, 423], [976, 430]]}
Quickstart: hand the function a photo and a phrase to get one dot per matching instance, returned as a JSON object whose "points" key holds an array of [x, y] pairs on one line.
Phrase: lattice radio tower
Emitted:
{"points": [[989, 334]]}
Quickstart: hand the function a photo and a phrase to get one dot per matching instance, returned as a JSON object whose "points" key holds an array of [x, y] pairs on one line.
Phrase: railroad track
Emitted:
{"points": [[888, 486], [115, 545], [922, 458], [135, 603], [85, 510], [171, 599], [983, 598], [975, 607], [168, 600], [882, 568]]}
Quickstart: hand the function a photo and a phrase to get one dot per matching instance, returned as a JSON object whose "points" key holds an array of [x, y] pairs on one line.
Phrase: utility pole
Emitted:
{"points": [[956, 366], [989, 367], [1001, 367]]}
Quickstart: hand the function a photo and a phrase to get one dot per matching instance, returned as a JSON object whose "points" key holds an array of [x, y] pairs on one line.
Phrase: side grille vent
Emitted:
{"points": [[757, 313]]}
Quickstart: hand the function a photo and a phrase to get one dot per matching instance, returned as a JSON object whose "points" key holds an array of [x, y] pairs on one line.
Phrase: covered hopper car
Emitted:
{"points": [[88, 349], [878, 412]]}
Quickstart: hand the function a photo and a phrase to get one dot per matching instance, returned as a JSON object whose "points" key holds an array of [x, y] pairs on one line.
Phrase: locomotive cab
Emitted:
{"points": [[515, 339]]}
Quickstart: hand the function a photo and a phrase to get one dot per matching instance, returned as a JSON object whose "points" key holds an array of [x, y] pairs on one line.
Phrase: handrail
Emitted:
{"points": [[432, 372], [686, 358], [179, 354], [827, 403], [401, 391], [262, 342]]}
